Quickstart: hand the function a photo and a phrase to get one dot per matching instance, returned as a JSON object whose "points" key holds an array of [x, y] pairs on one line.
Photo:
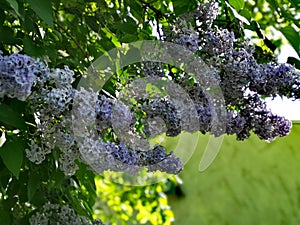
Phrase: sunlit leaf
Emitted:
{"points": [[237, 4], [292, 36]]}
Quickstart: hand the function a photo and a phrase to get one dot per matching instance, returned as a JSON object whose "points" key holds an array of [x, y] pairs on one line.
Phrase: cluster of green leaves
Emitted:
{"points": [[73, 32], [133, 204], [261, 15]]}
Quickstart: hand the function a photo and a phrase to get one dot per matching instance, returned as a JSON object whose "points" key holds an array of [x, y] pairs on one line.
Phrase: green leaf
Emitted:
{"points": [[43, 9], [293, 61], [181, 7], [7, 35], [31, 48], [5, 216], [14, 5], [128, 28], [127, 38], [33, 182], [12, 155], [273, 4], [39, 198], [29, 24], [245, 13], [136, 10], [292, 36], [93, 23], [295, 3], [237, 4], [10, 117]]}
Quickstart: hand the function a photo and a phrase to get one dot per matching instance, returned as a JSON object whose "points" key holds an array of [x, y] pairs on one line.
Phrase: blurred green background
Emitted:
{"points": [[250, 182]]}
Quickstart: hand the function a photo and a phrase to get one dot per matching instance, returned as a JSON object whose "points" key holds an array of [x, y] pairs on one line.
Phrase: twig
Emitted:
{"points": [[74, 40], [157, 12]]}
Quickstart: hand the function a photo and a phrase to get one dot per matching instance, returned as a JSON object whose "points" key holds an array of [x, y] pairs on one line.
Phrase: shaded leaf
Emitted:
{"points": [[181, 7], [33, 183], [31, 48], [43, 9], [273, 4], [128, 27], [5, 216], [9, 117], [12, 155], [14, 5], [92, 22], [7, 35], [295, 3], [127, 38], [2, 15], [293, 61]]}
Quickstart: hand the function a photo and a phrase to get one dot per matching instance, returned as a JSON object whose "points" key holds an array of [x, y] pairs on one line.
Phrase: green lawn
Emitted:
{"points": [[250, 182]]}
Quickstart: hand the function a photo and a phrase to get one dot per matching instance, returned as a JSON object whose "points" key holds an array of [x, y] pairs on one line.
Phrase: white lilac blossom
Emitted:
{"points": [[36, 153], [84, 111], [68, 152]]}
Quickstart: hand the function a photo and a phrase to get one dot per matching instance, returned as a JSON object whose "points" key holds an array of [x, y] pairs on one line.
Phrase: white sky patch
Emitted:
{"points": [[285, 107]]}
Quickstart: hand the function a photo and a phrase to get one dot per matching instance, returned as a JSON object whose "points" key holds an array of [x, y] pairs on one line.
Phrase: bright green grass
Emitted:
{"points": [[250, 182]]}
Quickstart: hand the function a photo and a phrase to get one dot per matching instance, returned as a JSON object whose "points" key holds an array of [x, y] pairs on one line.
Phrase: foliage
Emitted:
{"points": [[41, 169], [281, 15], [132, 204]]}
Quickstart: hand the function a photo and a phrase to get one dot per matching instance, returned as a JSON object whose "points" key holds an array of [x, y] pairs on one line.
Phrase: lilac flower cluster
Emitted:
{"points": [[17, 75], [49, 101], [102, 156], [104, 112], [163, 107], [239, 72], [48, 92], [36, 153], [264, 123], [53, 94], [57, 214], [152, 69]]}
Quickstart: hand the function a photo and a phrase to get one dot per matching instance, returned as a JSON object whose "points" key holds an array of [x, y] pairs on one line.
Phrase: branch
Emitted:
{"points": [[85, 54], [148, 5]]}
